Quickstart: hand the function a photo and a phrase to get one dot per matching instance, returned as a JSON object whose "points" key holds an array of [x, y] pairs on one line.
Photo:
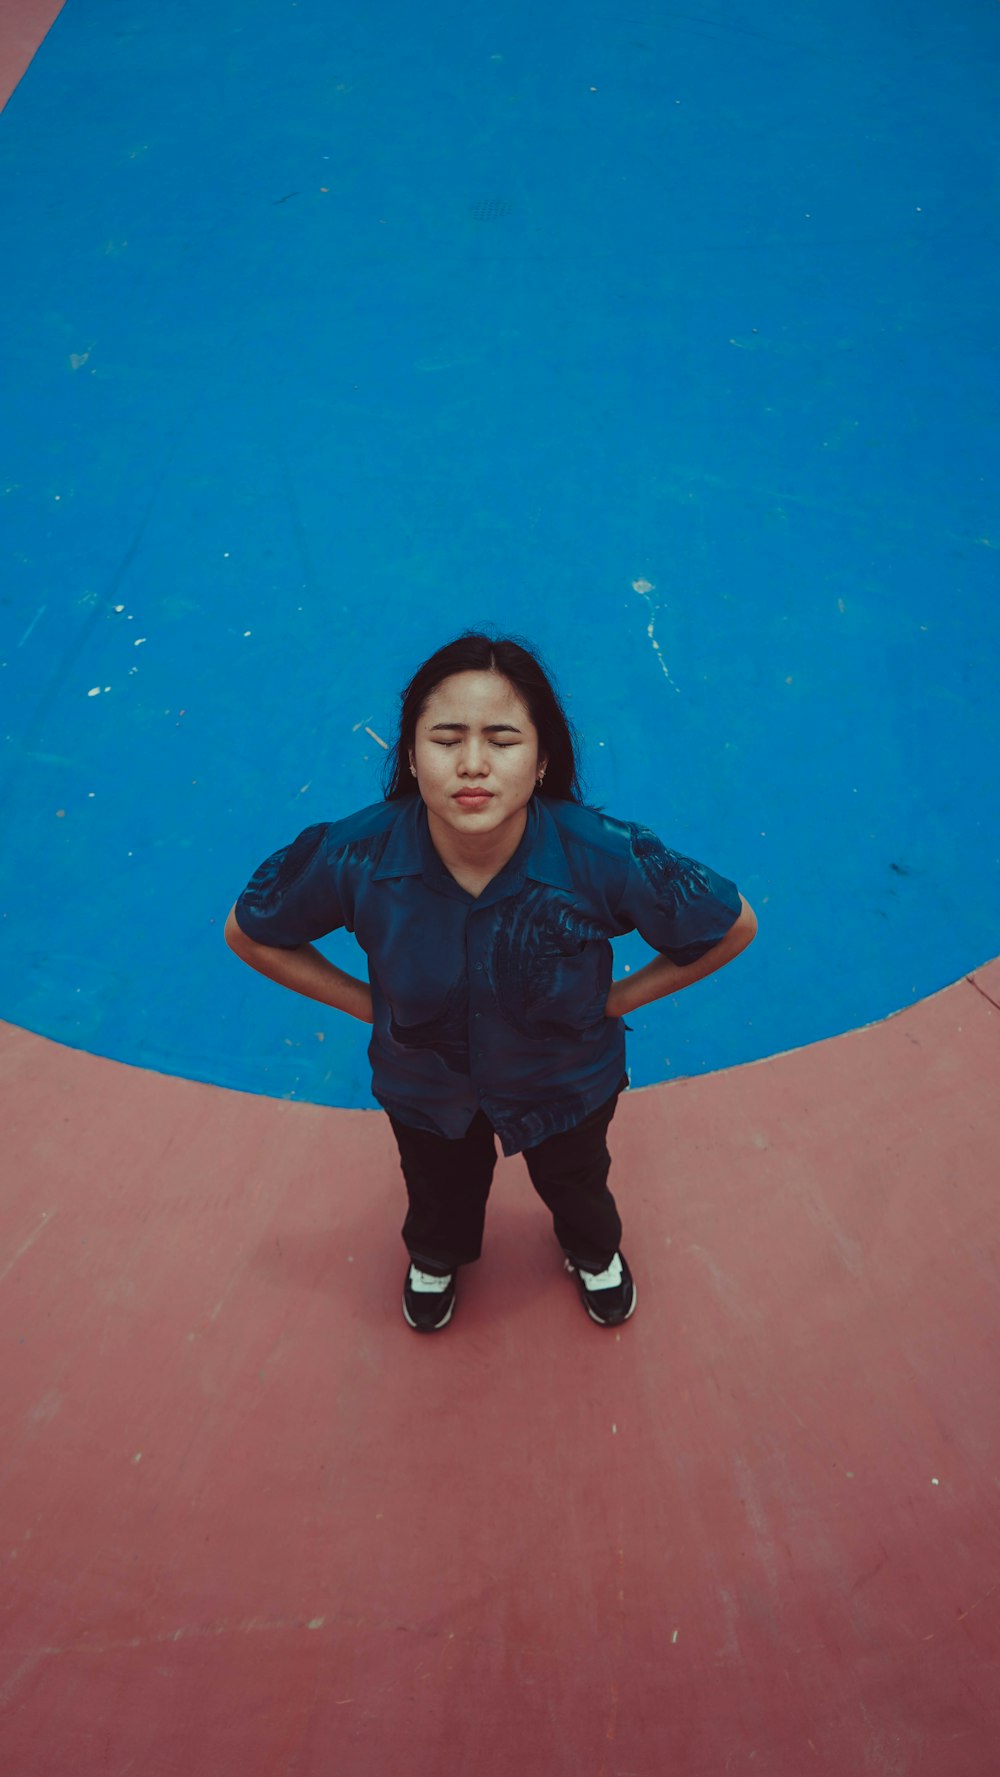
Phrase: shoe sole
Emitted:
{"points": [[598, 1322], [438, 1324]]}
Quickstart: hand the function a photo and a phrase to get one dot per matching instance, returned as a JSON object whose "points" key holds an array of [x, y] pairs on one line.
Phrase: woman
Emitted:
{"points": [[485, 894]]}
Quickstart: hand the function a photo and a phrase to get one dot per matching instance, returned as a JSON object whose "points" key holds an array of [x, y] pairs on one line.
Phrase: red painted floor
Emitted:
{"points": [[253, 1524]]}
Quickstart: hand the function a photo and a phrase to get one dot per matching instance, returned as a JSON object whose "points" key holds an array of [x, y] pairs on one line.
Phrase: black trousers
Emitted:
{"points": [[448, 1183]]}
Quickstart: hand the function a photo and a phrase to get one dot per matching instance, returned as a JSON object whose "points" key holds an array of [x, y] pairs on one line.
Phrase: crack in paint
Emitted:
{"points": [[971, 979], [644, 588]]}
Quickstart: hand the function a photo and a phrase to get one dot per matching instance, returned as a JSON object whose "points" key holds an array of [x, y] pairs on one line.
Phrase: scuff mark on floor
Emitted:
{"points": [[47, 1215]]}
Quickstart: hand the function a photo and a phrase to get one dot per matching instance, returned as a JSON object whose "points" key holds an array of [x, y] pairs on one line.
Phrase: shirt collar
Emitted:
{"points": [[540, 855], [402, 855], [547, 860]]}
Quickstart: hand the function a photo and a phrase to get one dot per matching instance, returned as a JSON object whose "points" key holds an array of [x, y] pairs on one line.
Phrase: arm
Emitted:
{"points": [[662, 976], [304, 970]]}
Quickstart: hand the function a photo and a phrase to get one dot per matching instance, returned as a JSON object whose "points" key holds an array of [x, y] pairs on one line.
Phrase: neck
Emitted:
{"points": [[483, 854]]}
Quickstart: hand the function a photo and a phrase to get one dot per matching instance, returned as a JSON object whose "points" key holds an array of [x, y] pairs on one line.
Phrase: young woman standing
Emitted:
{"points": [[485, 895]]}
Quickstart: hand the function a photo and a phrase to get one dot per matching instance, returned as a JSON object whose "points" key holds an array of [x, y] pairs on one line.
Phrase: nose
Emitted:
{"points": [[473, 759]]}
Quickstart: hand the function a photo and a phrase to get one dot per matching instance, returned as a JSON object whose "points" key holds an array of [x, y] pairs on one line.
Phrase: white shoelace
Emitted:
{"points": [[426, 1284], [604, 1280]]}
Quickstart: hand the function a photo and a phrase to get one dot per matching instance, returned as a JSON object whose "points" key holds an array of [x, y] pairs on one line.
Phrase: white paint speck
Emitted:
{"points": [[247, 632], [138, 1456], [139, 641], [96, 692], [673, 1638], [119, 607], [316, 1623], [934, 1481]]}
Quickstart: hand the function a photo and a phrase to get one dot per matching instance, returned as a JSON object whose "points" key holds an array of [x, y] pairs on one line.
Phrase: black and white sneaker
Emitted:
{"points": [[608, 1296], [428, 1301]]}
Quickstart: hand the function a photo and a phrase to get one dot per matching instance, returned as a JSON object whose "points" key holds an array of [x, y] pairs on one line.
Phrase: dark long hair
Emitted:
{"points": [[473, 652]]}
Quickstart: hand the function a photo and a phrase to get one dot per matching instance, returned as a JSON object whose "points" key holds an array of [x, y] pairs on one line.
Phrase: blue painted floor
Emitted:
{"points": [[667, 340]]}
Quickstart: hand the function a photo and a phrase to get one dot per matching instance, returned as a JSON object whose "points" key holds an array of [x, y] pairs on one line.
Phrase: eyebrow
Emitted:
{"points": [[490, 728]]}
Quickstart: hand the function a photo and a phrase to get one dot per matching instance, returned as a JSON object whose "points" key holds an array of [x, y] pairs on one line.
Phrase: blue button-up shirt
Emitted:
{"points": [[493, 1002]]}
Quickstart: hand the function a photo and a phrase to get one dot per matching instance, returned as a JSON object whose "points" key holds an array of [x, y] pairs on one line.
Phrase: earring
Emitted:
{"points": [[541, 777], [413, 771]]}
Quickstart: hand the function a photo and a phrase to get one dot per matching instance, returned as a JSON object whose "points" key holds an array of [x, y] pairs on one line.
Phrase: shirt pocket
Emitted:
{"points": [[552, 971], [571, 988]]}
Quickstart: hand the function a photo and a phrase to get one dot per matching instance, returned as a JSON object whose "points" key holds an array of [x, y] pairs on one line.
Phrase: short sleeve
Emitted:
{"points": [[681, 907], [292, 898]]}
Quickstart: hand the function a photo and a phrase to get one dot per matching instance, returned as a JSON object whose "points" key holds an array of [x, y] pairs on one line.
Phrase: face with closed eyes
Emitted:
{"points": [[476, 758]]}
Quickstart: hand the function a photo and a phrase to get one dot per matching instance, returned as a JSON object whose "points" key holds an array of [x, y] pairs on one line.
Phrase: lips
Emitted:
{"points": [[473, 798]]}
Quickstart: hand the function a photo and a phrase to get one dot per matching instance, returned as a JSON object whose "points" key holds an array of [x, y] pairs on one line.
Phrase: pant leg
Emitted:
{"points": [[570, 1173], [448, 1183]]}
